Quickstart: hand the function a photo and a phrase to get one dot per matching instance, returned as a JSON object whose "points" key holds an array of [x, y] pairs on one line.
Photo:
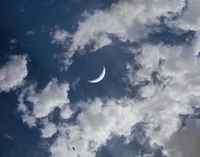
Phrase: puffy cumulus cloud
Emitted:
{"points": [[49, 129], [43, 102], [66, 112], [52, 96], [100, 120], [94, 126], [179, 64], [126, 20], [12, 74], [185, 142], [178, 89]]}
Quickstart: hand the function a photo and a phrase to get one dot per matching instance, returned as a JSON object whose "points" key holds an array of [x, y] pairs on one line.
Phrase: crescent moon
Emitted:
{"points": [[101, 76]]}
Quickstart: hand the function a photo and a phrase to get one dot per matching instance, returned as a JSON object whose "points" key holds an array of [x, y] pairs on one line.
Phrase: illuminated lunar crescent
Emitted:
{"points": [[98, 79]]}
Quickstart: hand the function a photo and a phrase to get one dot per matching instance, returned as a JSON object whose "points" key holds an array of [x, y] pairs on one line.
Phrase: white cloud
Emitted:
{"points": [[126, 19], [190, 19], [48, 130], [101, 119], [43, 102], [63, 38], [177, 94], [179, 90], [27, 116], [94, 126], [13, 72], [52, 96], [29, 119], [60, 37], [66, 112]]}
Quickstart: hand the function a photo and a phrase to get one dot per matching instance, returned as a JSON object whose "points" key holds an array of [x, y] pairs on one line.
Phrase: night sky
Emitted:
{"points": [[146, 105]]}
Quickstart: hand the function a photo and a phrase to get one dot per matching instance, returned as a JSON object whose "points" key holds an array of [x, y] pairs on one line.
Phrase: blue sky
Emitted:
{"points": [[145, 106]]}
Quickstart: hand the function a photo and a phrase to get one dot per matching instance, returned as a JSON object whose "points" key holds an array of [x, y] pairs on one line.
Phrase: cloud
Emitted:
{"points": [[52, 96], [185, 142], [100, 120], [60, 37], [176, 94], [178, 90], [48, 130], [189, 18], [127, 20], [171, 88], [94, 126], [13, 72], [66, 112], [44, 102]]}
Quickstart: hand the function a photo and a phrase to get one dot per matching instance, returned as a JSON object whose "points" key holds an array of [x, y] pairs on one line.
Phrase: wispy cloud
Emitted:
{"points": [[30, 32]]}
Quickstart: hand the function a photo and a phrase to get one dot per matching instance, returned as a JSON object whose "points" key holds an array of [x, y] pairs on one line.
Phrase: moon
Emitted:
{"points": [[101, 76]]}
